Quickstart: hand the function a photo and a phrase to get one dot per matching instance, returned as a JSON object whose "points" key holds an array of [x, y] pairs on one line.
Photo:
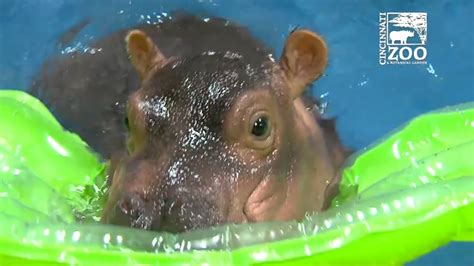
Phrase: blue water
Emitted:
{"points": [[369, 100]]}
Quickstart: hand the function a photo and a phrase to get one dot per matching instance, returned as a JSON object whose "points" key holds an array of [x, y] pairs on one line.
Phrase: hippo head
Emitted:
{"points": [[222, 138]]}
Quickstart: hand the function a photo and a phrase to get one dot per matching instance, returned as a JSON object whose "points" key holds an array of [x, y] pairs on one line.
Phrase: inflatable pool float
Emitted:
{"points": [[402, 197]]}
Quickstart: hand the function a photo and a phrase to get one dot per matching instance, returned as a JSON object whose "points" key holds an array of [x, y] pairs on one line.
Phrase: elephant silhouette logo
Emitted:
{"points": [[407, 28]]}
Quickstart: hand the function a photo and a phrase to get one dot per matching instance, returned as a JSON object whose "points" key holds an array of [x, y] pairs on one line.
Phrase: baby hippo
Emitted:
{"points": [[223, 137]]}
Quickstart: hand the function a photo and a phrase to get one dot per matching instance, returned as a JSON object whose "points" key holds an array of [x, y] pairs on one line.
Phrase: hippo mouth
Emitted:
{"points": [[332, 190]]}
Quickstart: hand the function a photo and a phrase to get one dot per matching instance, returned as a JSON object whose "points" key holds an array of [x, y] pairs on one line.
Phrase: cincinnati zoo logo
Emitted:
{"points": [[403, 38]]}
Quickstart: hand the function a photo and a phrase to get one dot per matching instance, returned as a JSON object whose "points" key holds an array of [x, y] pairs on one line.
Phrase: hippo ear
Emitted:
{"points": [[143, 53], [303, 60]]}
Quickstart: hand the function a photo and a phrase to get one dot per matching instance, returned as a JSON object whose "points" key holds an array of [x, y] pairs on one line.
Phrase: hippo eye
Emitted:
{"points": [[261, 127]]}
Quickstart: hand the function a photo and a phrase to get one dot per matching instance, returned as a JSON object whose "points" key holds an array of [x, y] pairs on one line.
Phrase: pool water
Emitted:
{"points": [[368, 99]]}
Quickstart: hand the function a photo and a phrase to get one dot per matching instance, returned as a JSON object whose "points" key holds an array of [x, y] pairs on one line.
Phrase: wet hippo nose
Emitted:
{"points": [[186, 211], [132, 205], [144, 199], [132, 210]]}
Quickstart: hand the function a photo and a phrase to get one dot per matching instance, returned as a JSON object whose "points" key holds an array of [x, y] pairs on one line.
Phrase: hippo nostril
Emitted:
{"points": [[136, 211], [132, 205], [125, 206]]}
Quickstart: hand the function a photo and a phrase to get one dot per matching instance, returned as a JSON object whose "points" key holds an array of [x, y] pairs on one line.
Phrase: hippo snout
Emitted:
{"points": [[177, 213], [131, 209], [186, 211], [137, 201]]}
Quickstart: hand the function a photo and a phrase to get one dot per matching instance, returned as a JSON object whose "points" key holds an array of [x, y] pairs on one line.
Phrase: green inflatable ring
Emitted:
{"points": [[405, 196]]}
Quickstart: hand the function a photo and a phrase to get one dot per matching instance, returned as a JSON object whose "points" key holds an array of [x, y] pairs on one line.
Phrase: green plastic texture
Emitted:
{"points": [[402, 197]]}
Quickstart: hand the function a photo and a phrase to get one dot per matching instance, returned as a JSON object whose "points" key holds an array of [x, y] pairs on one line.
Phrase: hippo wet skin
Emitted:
{"points": [[214, 130]]}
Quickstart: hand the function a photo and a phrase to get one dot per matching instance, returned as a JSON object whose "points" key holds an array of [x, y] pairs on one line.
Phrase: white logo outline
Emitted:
{"points": [[403, 37], [417, 21]]}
